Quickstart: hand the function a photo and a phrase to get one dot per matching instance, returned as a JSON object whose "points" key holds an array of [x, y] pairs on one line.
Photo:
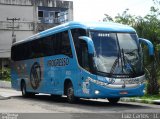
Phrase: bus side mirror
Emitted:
{"points": [[90, 44], [148, 44]]}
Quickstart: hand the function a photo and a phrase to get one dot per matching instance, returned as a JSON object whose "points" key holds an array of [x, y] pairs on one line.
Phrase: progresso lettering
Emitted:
{"points": [[58, 62]]}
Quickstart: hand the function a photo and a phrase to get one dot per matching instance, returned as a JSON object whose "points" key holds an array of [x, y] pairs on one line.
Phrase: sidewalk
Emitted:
{"points": [[6, 93], [4, 98], [5, 85]]}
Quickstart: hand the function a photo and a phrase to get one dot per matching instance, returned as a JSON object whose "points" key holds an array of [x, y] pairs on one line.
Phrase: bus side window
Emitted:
{"points": [[85, 55], [81, 47], [65, 44]]}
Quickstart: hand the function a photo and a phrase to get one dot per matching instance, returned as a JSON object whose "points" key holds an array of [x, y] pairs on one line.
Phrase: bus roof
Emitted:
{"points": [[105, 26]]}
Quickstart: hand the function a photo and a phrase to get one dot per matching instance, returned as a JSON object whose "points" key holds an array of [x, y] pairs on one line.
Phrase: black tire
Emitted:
{"points": [[113, 100], [70, 94], [23, 89], [24, 92]]}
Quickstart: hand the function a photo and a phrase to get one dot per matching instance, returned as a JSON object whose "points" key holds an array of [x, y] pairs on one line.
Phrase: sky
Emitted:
{"points": [[94, 10]]}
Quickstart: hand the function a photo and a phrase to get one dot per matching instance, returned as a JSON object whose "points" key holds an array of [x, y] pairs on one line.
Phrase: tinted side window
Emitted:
{"points": [[65, 44], [19, 52], [75, 34], [47, 46], [13, 53], [56, 44], [34, 49], [85, 55], [51, 45]]}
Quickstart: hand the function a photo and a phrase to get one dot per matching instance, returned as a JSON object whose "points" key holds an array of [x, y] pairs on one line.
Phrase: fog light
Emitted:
{"points": [[96, 92]]}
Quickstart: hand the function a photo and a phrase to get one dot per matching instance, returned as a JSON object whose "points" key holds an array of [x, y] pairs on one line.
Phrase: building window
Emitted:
{"points": [[57, 14], [40, 14], [52, 15]]}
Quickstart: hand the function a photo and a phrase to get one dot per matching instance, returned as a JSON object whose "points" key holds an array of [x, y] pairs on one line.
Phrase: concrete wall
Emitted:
{"points": [[25, 13], [24, 26], [6, 40]]}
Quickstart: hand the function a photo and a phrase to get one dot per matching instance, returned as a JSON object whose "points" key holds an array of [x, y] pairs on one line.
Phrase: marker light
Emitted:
{"points": [[144, 91]]}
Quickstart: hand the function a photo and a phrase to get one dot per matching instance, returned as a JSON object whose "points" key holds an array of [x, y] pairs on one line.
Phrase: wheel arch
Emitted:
{"points": [[21, 82], [66, 82]]}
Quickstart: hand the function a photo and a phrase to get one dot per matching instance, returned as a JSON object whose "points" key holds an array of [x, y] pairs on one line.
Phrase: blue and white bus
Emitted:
{"points": [[81, 60]]}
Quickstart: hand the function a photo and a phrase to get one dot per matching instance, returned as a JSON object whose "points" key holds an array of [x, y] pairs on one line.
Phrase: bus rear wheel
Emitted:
{"points": [[24, 91], [70, 93], [113, 100]]}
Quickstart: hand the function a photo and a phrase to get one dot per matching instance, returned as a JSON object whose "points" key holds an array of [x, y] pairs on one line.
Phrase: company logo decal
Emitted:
{"points": [[58, 62], [35, 75]]}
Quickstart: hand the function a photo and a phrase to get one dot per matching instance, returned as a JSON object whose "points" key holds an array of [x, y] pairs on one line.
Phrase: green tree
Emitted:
{"points": [[147, 27], [5, 74]]}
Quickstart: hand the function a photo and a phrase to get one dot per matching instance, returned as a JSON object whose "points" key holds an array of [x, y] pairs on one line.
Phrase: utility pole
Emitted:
{"points": [[13, 28]]}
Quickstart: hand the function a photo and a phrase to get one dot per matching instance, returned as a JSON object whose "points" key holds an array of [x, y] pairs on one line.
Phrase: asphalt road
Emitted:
{"points": [[44, 104]]}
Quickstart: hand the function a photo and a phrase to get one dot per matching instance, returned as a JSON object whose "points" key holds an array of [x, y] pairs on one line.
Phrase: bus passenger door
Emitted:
{"points": [[86, 69], [82, 57]]}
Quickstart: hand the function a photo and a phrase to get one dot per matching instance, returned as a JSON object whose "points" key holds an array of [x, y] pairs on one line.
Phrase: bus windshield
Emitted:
{"points": [[117, 54]]}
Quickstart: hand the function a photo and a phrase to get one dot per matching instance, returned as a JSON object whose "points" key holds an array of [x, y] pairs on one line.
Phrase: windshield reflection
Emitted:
{"points": [[117, 53]]}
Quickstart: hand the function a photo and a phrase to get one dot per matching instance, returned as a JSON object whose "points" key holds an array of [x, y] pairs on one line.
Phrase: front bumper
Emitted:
{"points": [[105, 92]]}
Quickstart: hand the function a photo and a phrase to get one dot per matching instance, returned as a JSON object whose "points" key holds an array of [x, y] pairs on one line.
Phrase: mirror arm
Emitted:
{"points": [[90, 44], [149, 44]]}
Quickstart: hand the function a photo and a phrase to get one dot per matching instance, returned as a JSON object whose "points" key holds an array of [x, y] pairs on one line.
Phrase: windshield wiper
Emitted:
{"points": [[128, 64], [122, 60], [131, 52], [125, 64], [119, 57], [104, 74]]}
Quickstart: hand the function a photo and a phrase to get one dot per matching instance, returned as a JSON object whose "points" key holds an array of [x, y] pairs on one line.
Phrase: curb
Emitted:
{"points": [[156, 102], [5, 84], [4, 98], [140, 100]]}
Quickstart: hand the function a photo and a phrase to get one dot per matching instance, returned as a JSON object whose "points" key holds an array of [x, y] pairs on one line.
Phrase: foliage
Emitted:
{"points": [[150, 97], [5, 74], [147, 27]]}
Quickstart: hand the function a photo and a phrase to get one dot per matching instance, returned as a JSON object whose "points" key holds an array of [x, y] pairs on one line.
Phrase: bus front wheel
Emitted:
{"points": [[113, 100], [70, 93]]}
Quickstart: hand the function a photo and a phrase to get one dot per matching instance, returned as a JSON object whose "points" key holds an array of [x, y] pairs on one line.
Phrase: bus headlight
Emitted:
{"points": [[96, 92]]}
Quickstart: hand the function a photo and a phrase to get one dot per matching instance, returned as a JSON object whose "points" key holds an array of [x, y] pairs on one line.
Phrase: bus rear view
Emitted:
{"points": [[105, 61]]}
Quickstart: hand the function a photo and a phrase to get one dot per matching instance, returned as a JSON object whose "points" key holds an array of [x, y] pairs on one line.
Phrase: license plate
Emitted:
{"points": [[123, 92]]}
